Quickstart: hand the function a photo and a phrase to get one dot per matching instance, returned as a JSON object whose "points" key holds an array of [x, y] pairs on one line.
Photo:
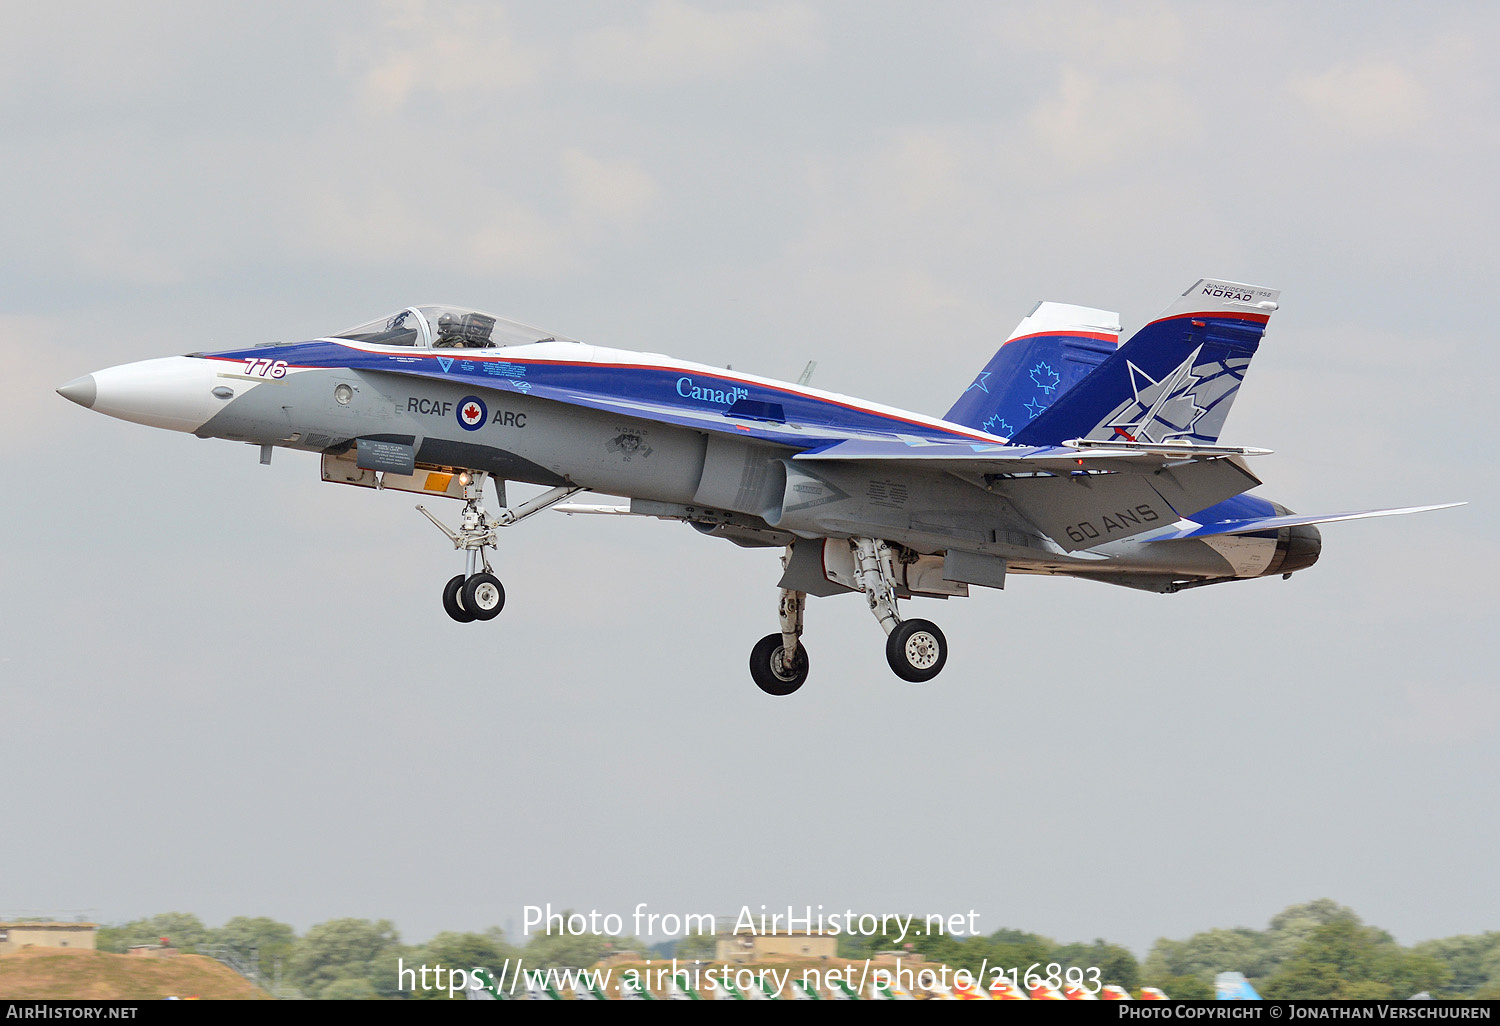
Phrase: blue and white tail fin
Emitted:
{"points": [[1234, 987], [1176, 378], [1052, 349]]}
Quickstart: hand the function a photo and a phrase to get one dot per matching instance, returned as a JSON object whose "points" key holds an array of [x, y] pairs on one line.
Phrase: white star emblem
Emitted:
{"points": [[1163, 409]]}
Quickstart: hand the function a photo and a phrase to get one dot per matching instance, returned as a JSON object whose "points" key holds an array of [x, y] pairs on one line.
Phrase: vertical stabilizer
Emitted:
{"points": [[1234, 987], [1176, 378], [1051, 350]]}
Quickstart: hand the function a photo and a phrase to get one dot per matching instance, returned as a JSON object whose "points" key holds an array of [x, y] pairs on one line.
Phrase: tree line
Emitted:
{"points": [[1315, 950]]}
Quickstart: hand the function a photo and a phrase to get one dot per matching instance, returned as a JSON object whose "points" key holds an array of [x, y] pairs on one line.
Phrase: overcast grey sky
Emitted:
{"points": [[230, 689]]}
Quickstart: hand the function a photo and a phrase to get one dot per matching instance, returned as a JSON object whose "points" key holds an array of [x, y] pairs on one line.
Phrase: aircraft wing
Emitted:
{"points": [[1259, 524]]}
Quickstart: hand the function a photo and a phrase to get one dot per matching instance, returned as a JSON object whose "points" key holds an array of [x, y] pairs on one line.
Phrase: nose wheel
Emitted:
{"points": [[477, 594], [477, 597], [453, 600], [483, 596]]}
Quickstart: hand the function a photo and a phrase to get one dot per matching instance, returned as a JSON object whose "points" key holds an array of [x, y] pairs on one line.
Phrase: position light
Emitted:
{"points": [[343, 393]]}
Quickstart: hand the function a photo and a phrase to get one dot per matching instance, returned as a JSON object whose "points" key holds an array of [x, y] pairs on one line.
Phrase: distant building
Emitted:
{"points": [[761, 947], [15, 936]]}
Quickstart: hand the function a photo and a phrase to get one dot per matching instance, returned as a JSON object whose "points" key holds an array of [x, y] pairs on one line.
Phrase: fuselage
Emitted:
{"points": [[653, 428]]}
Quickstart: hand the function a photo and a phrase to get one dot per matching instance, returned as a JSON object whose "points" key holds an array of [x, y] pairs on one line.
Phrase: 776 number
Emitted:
{"points": [[265, 368]]}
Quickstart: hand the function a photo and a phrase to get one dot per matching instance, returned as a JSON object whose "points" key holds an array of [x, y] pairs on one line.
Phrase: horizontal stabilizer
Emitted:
{"points": [[1260, 524]]}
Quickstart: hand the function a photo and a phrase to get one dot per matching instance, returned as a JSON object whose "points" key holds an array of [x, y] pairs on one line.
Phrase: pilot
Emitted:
{"points": [[450, 333]]}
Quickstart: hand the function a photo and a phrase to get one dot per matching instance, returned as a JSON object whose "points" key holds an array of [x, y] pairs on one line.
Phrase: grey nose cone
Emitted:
{"points": [[82, 391]]}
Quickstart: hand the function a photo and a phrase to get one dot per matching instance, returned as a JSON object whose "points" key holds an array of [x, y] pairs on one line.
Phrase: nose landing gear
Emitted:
{"points": [[470, 597], [477, 594]]}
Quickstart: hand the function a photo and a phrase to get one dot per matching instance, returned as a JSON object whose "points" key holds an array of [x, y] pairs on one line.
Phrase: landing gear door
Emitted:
{"points": [[923, 576]]}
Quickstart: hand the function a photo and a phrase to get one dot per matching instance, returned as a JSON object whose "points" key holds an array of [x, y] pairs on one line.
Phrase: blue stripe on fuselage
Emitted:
{"points": [[694, 391]]}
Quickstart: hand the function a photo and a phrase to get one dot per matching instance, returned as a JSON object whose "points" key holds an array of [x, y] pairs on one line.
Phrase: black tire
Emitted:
{"points": [[916, 650], [453, 600], [766, 666], [483, 596]]}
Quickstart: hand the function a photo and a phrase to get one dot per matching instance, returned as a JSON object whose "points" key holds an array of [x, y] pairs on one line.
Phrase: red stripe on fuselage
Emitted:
{"points": [[531, 361], [775, 388]]}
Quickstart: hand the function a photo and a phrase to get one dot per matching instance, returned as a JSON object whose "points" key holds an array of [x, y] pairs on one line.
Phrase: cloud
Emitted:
{"points": [[1119, 77], [112, 50], [114, 251], [467, 52], [33, 368], [1097, 35], [678, 42], [605, 193], [1097, 119], [925, 223], [474, 223], [1366, 99]]}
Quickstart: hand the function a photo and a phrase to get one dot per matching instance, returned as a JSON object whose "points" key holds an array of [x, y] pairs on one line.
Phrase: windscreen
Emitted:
{"points": [[446, 327]]}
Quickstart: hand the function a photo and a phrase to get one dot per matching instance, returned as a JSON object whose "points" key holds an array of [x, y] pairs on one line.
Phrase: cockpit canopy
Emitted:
{"points": [[446, 327]]}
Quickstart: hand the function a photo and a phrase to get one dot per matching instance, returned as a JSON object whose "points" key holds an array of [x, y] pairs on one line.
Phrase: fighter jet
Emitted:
{"points": [[1234, 987], [1068, 455]]}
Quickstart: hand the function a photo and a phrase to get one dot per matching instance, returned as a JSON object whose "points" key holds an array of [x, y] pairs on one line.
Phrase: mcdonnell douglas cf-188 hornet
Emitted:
{"points": [[1068, 455]]}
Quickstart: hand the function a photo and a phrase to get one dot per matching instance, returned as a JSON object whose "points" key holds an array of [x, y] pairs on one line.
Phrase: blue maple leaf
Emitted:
{"points": [[1045, 378], [998, 425]]}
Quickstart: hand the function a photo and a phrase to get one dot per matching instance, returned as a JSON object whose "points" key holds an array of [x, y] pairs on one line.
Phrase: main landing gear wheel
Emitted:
{"points": [[453, 600], [916, 650], [483, 596], [769, 667]]}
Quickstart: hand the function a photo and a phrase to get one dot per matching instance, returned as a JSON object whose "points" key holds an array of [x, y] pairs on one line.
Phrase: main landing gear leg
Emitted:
{"points": [[778, 663], [915, 649], [477, 594]]}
